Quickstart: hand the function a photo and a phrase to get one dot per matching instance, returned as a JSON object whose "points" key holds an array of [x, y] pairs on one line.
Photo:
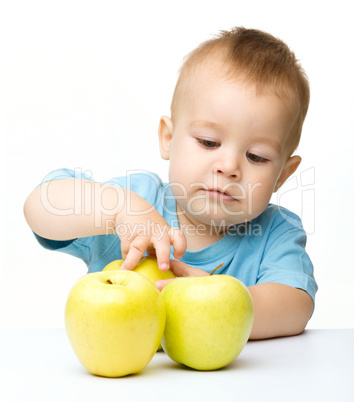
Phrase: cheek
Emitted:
{"points": [[182, 162], [262, 188], [178, 172]]}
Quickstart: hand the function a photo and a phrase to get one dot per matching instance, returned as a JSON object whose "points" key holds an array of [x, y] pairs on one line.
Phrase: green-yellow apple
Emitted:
{"points": [[147, 266], [208, 320], [114, 321]]}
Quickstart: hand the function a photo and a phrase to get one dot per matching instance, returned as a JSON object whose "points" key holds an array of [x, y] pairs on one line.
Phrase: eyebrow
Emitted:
{"points": [[204, 123], [268, 141]]}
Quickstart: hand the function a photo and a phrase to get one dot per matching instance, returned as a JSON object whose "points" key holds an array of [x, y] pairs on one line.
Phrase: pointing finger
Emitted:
{"points": [[178, 241]]}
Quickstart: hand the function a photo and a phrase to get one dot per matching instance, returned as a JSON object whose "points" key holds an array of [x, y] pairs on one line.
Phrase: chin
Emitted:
{"points": [[222, 224]]}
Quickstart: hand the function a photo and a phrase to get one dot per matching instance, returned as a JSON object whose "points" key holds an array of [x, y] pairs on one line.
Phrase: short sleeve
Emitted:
{"points": [[147, 184], [285, 259], [61, 174], [98, 251]]}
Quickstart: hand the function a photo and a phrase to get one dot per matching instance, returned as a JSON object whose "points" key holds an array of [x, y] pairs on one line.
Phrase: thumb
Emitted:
{"points": [[162, 283], [180, 268]]}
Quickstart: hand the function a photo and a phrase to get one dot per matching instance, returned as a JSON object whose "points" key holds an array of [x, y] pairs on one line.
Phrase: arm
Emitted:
{"points": [[71, 208], [279, 310]]}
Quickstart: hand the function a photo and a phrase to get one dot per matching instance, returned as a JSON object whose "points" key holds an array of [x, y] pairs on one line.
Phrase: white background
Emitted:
{"points": [[85, 83]]}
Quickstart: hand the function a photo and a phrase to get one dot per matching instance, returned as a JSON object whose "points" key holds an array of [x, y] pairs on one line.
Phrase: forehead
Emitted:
{"points": [[199, 76], [211, 95], [212, 83]]}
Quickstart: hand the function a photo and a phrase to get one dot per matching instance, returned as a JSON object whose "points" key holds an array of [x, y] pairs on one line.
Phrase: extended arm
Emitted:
{"points": [[71, 208]]}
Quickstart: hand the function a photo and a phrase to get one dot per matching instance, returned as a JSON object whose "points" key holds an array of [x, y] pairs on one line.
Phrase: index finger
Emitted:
{"points": [[162, 247], [178, 241]]}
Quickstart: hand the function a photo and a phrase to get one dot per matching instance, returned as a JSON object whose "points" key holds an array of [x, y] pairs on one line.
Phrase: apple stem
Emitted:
{"points": [[109, 281], [219, 266]]}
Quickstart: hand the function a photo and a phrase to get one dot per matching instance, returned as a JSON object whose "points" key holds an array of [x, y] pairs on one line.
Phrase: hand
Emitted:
{"points": [[146, 230], [180, 269]]}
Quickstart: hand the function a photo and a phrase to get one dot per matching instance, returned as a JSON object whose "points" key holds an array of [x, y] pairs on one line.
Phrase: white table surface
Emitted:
{"points": [[39, 365]]}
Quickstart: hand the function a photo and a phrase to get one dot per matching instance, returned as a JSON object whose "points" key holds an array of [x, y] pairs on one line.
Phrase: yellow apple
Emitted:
{"points": [[147, 266], [114, 321], [208, 320]]}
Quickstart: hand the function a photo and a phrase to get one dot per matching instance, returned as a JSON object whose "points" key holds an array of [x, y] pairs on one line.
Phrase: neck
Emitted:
{"points": [[199, 235]]}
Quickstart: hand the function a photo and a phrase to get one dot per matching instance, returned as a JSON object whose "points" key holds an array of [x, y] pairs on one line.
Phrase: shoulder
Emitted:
{"points": [[276, 217], [277, 223], [147, 184], [132, 180], [137, 179], [63, 173], [281, 228]]}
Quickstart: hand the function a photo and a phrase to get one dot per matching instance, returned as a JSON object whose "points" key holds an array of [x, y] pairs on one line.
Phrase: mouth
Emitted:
{"points": [[220, 195]]}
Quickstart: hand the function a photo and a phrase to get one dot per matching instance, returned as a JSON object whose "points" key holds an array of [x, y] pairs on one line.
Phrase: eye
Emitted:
{"points": [[208, 144], [256, 158]]}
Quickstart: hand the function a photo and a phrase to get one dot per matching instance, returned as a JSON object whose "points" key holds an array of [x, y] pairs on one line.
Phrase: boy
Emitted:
{"points": [[236, 119]]}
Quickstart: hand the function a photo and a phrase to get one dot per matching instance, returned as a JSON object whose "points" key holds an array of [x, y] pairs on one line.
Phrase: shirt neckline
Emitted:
{"points": [[207, 254]]}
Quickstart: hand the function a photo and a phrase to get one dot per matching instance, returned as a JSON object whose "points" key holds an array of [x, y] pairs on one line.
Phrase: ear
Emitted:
{"points": [[165, 136], [289, 168]]}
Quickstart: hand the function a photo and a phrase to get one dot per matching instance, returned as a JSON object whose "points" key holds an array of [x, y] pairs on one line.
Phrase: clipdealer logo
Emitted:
{"points": [[301, 189]]}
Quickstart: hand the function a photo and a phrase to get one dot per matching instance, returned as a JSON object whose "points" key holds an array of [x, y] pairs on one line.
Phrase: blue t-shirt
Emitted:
{"points": [[270, 248]]}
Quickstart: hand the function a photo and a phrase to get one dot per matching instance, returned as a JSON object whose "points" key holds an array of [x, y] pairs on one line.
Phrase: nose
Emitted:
{"points": [[229, 165]]}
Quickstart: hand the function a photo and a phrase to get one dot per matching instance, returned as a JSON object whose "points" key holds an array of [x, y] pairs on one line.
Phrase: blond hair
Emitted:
{"points": [[257, 58]]}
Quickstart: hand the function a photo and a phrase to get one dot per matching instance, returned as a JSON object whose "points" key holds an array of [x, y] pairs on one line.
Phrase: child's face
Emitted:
{"points": [[227, 149]]}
